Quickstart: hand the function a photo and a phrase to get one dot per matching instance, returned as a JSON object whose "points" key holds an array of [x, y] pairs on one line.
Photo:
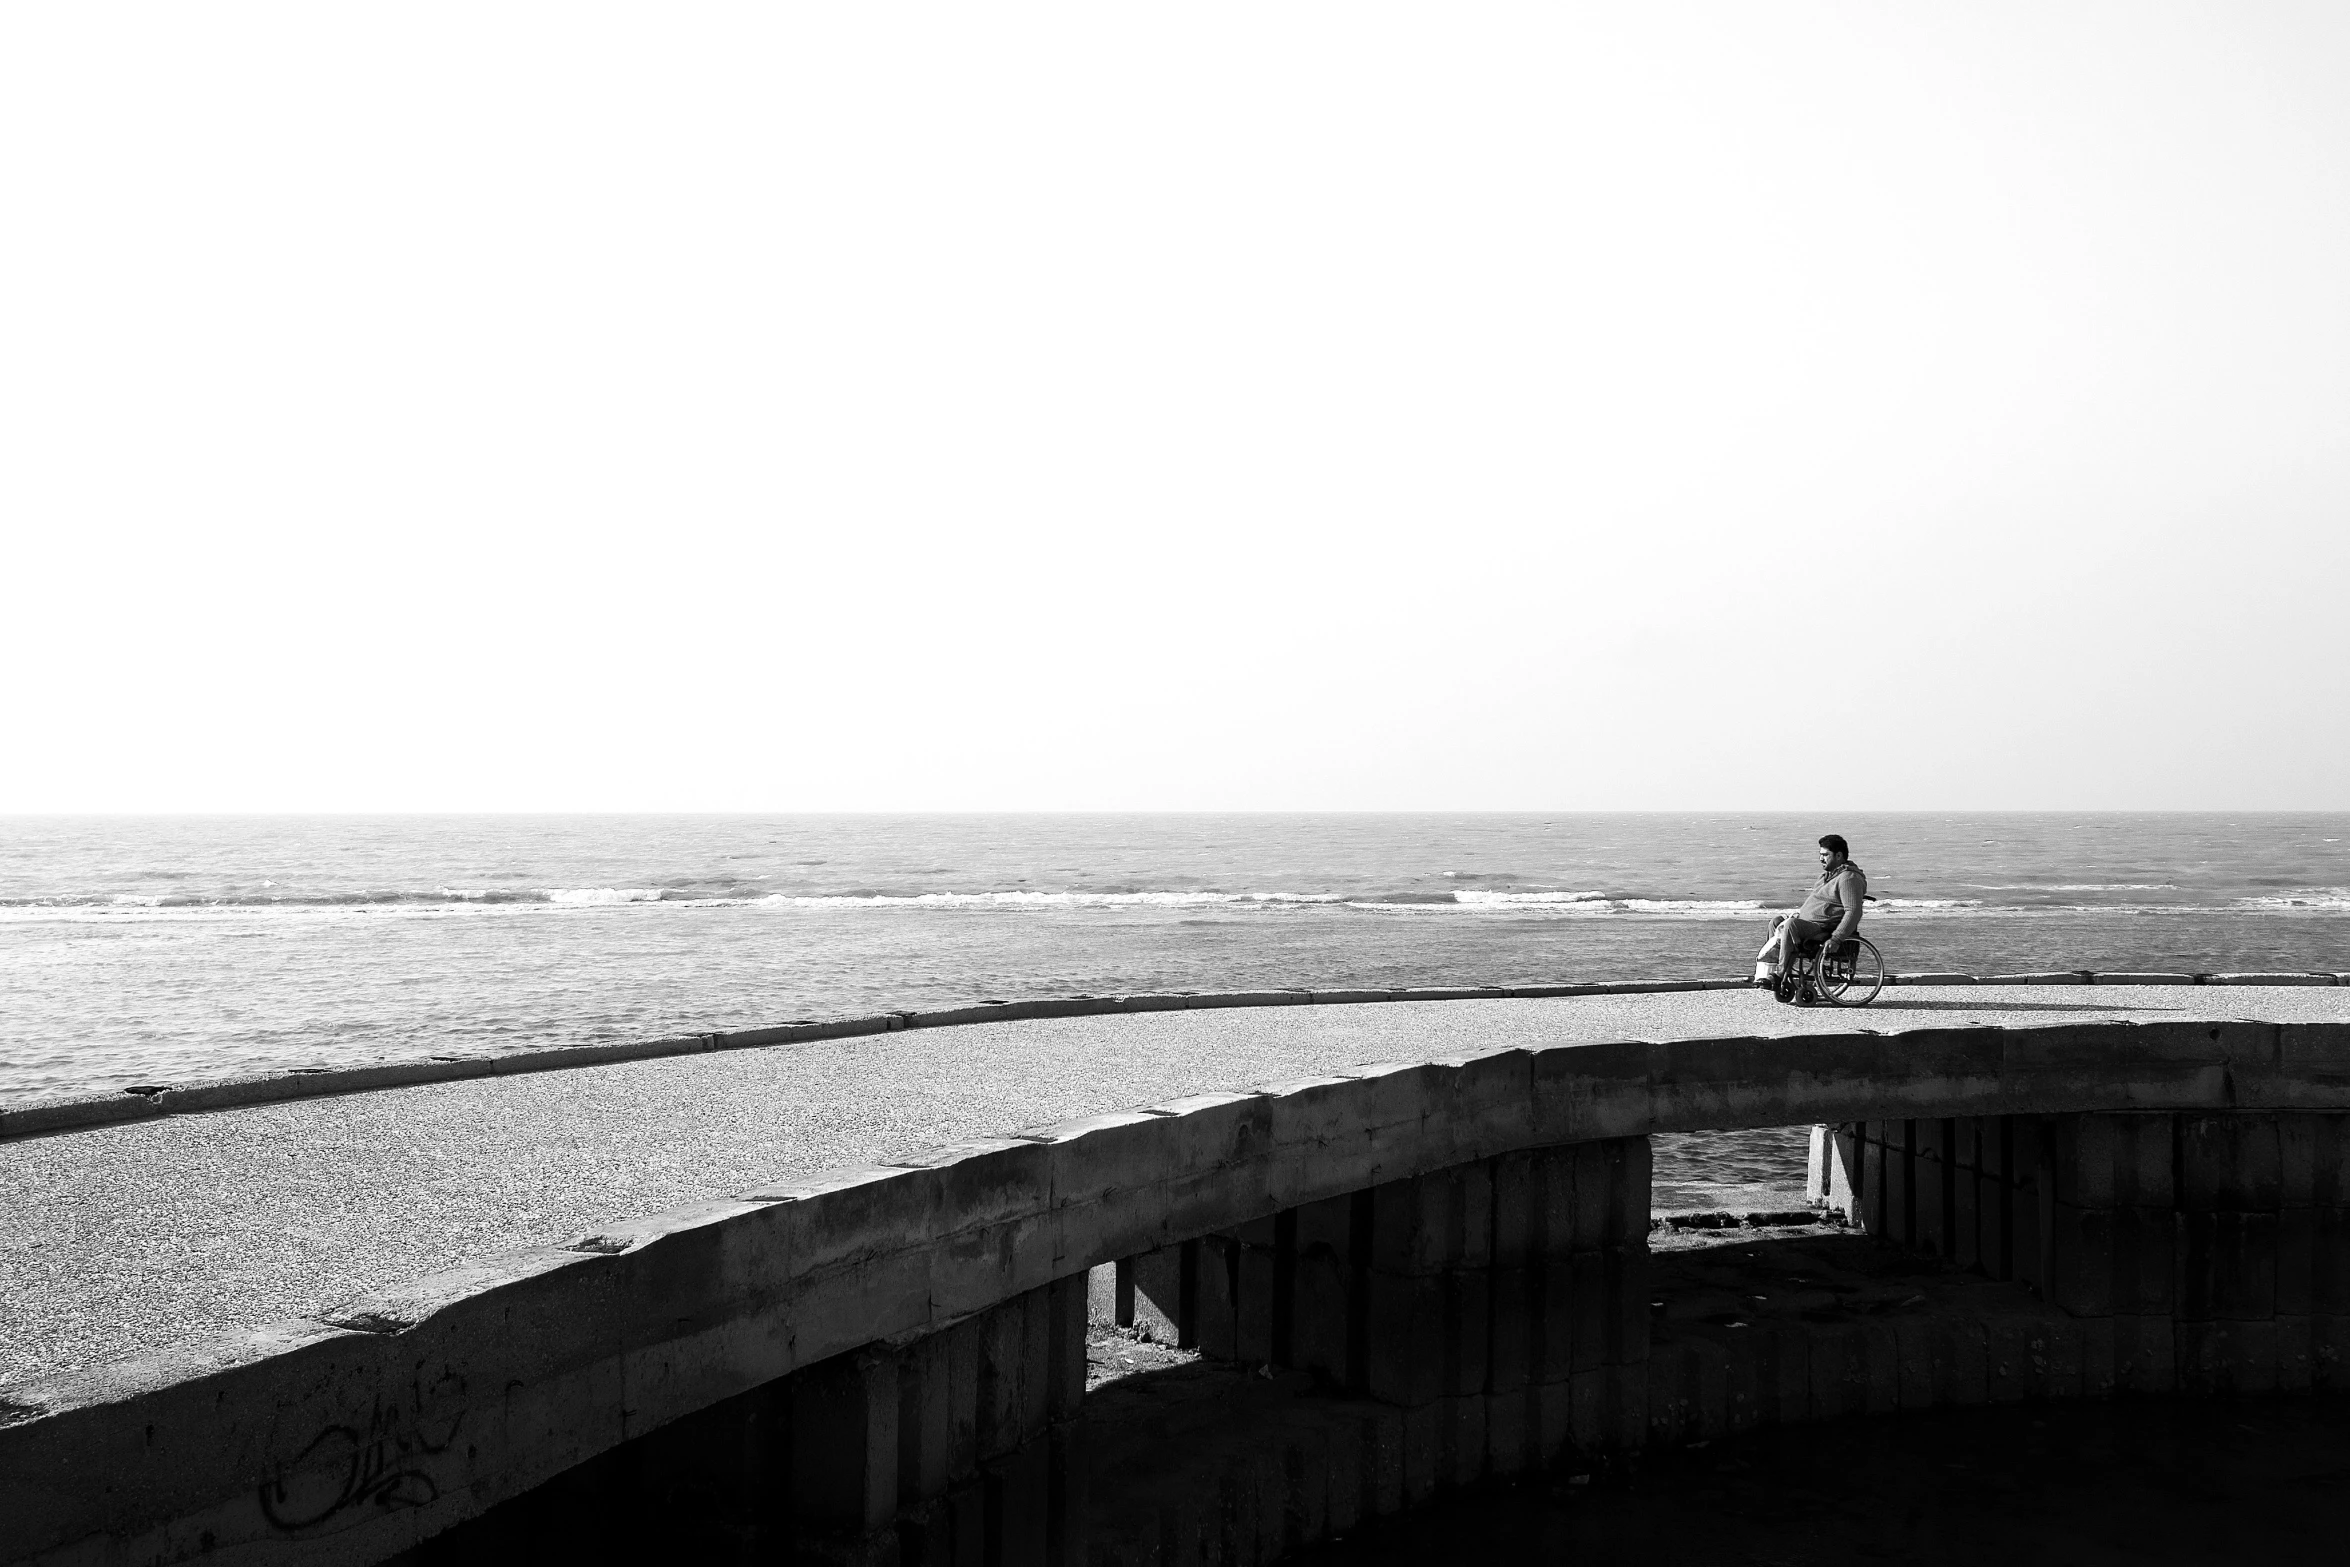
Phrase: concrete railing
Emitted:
{"points": [[142, 1101], [385, 1420]]}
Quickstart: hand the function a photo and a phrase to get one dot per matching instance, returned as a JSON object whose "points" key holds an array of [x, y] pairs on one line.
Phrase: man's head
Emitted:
{"points": [[1834, 850]]}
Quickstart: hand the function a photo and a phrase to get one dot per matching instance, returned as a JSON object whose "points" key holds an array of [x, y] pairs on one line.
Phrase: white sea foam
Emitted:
{"points": [[1017, 899], [230, 913], [2301, 898], [602, 895], [1567, 906], [2073, 886], [1472, 895], [1466, 902]]}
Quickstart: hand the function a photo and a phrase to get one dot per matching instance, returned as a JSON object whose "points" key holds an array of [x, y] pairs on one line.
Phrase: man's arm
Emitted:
{"points": [[1848, 893]]}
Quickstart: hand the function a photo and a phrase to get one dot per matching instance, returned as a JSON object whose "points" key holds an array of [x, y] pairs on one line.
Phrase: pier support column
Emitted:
{"points": [[1500, 1306], [946, 1449], [1832, 1170], [844, 1470], [2207, 1253], [985, 1472]]}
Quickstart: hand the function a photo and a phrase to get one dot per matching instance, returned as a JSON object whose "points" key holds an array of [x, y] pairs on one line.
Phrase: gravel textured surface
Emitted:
{"points": [[118, 1240]]}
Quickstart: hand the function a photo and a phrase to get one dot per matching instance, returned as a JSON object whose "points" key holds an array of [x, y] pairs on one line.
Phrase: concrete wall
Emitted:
{"points": [[357, 1435], [938, 1449], [1495, 1303], [2202, 1253], [1426, 1334]]}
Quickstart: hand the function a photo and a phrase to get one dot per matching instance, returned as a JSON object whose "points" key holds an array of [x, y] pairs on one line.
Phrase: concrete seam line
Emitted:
{"points": [[45, 1118]]}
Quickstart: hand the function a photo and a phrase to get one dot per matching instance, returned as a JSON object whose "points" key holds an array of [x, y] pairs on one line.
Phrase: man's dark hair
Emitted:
{"points": [[1835, 840]]}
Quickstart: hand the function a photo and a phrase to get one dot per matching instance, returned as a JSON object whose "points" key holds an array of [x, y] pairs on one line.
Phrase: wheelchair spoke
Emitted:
{"points": [[1853, 975]]}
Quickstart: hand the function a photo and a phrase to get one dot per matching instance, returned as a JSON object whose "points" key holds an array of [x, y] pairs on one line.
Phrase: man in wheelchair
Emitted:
{"points": [[1830, 914]]}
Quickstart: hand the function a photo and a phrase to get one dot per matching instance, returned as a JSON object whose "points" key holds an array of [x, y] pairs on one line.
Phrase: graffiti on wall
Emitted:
{"points": [[384, 1466]]}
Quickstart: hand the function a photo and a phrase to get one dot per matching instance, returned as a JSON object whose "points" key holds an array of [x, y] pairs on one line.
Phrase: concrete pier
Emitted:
{"points": [[1449, 1247]]}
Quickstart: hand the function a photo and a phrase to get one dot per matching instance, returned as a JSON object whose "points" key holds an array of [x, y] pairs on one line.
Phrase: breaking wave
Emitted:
{"points": [[1546, 904], [1022, 899], [2331, 898], [2075, 886]]}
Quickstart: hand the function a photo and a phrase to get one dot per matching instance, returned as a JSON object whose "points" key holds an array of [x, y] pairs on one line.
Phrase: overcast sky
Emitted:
{"points": [[1270, 406]]}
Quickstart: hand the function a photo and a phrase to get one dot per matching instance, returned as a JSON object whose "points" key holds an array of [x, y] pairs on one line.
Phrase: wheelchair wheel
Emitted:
{"points": [[1850, 975]]}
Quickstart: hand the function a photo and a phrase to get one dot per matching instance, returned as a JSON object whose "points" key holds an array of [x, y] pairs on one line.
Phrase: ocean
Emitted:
{"points": [[177, 950]]}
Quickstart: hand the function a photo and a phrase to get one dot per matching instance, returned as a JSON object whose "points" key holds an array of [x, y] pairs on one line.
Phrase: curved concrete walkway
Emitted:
{"points": [[118, 1240]]}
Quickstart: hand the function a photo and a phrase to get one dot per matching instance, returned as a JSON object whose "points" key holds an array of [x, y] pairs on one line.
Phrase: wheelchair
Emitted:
{"points": [[1849, 976]]}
